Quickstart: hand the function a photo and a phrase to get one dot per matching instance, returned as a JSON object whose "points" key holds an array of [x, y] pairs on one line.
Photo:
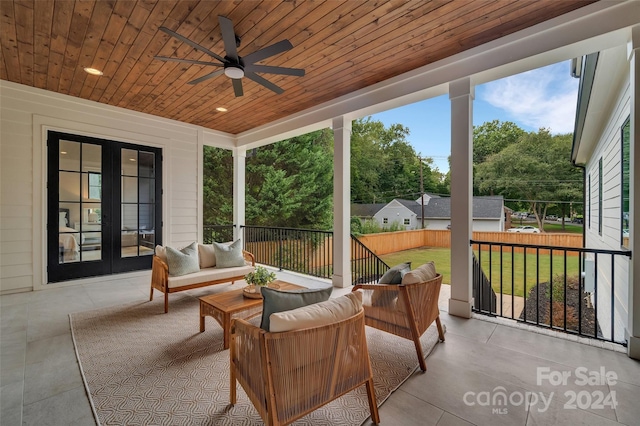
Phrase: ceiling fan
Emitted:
{"points": [[234, 66]]}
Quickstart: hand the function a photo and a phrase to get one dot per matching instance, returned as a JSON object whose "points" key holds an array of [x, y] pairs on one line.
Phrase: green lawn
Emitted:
{"points": [[550, 226], [557, 227], [442, 259]]}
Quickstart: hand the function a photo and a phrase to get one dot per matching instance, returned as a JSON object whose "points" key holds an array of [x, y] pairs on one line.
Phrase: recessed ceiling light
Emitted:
{"points": [[93, 71], [132, 159], [221, 109], [63, 152]]}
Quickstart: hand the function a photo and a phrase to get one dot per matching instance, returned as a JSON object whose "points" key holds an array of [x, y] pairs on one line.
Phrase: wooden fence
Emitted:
{"points": [[391, 242]]}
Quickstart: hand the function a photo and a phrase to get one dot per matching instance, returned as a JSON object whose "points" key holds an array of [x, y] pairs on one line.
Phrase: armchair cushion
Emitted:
{"points": [[278, 301], [183, 261], [421, 274], [395, 274], [392, 276], [317, 314], [229, 255]]}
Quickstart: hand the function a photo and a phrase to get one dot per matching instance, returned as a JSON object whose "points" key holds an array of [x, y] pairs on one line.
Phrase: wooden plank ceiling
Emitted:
{"points": [[344, 45]]}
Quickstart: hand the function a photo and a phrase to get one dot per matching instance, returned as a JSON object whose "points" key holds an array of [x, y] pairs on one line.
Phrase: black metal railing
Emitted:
{"points": [[484, 298], [307, 251], [217, 233], [310, 252], [574, 290], [366, 266]]}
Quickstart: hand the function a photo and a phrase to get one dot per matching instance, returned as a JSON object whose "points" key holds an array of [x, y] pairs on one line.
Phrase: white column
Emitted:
{"points": [[633, 347], [239, 185], [341, 202], [461, 96]]}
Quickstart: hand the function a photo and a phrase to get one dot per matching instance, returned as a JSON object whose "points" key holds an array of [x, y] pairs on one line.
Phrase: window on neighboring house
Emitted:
{"points": [[589, 202], [626, 127], [407, 221], [385, 220], [600, 196]]}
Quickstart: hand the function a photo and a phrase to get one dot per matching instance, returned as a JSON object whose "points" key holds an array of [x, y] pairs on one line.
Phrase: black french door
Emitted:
{"points": [[104, 206]]}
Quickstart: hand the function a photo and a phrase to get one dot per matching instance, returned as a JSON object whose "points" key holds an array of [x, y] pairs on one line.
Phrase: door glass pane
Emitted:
{"points": [[129, 162], [69, 156], [147, 190], [147, 233], [69, 187], [91, 158], [129, 189], [147, 167], [80, 229], [69, 238], [138, 203], [91, 186]]}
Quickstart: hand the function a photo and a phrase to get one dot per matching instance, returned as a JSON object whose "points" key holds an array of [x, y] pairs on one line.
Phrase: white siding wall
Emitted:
{"points": [[437, 224], [608, 148], [396, 212], [487, 225], [25, 116]]}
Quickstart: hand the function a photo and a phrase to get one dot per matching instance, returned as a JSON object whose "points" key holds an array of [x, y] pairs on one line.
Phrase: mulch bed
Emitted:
{"points": [[573, 299]]}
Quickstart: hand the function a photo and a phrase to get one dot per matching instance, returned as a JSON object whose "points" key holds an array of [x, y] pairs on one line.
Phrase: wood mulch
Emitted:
{"points": [[574, 298]]}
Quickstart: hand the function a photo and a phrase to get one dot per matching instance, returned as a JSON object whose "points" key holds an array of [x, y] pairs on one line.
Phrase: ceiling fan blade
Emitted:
{"points": [[228, 37], [191, 43], [266, 83], [206, 77], [187, 61], [298, 72], [237, 87], [274, 49]]}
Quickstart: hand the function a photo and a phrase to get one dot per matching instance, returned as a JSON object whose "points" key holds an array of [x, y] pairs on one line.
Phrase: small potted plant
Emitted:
{"points": [[261, 277]]}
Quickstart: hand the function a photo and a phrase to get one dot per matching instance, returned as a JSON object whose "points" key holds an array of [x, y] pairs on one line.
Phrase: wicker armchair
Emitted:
{"points": [[406, 310], [290, 374]]}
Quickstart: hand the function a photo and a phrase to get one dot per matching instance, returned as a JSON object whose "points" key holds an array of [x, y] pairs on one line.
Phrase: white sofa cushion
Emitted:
{"points": [[209, 274], [318, 314]]}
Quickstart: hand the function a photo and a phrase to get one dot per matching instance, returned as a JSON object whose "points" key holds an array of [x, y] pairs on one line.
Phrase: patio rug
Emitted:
{"points": [[143, 367]]}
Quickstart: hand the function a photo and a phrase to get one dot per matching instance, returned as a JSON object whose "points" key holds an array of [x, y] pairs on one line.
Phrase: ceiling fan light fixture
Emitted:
{"points": [[233, 71]]}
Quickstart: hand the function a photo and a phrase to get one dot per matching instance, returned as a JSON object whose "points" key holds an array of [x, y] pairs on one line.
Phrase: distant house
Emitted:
{"points": [[488, 213]]}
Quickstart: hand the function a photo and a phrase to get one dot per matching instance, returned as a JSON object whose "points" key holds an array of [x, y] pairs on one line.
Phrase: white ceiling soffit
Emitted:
{"points": [[594, 27]]}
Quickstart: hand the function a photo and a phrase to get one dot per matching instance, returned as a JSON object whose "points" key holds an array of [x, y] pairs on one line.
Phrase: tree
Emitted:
{"points": [[217, 186], [290, 183], [385, 166], [491, 137], [537, 169]]}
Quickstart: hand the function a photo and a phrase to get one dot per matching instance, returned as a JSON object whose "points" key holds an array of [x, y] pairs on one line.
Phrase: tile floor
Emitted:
{"points": [[480, 362]]}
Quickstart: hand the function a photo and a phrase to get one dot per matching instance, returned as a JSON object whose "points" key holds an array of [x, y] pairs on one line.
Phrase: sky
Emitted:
{"points": [[542, 98]]}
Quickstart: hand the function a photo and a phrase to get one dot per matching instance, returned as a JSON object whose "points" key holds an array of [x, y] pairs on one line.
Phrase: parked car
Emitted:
{"points": [[551, 217], [566, 219], [525, 229]]}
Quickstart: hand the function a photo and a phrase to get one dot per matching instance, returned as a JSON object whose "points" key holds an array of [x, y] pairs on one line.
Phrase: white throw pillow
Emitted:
{"points": [[421, 274], [318, 314], [207, 254], [161, 252]]}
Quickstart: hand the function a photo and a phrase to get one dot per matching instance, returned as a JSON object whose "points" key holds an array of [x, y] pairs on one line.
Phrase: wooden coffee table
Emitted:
{"points": [[224, 307]]}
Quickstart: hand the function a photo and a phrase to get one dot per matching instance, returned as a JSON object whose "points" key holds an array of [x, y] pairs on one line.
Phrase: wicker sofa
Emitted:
{"points": [[165, 283]]}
